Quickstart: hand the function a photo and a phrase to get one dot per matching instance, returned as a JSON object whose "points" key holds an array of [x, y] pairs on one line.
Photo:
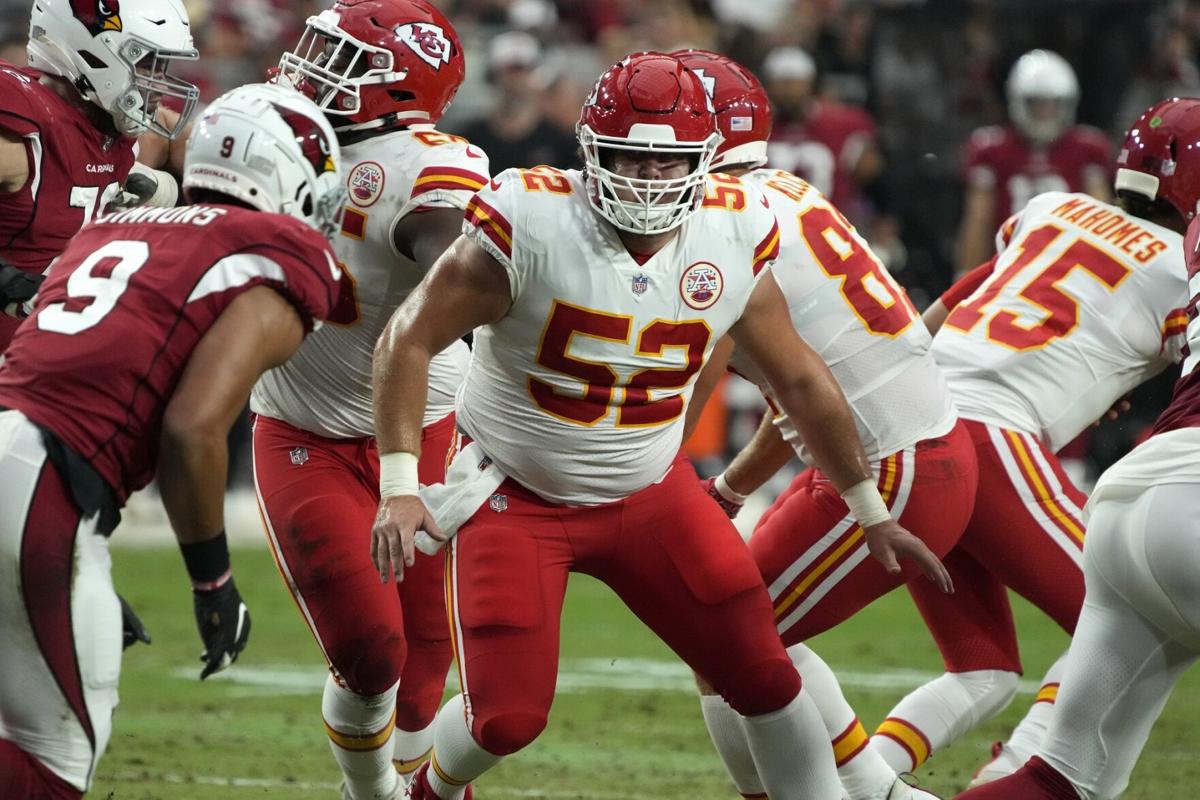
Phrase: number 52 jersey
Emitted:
{"points": [[1084, 303], [578, 393]]}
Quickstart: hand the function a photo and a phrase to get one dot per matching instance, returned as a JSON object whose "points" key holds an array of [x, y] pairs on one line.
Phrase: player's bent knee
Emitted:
{"points": [[370, 665], [763, 687], [990, 689], [506, 733]]}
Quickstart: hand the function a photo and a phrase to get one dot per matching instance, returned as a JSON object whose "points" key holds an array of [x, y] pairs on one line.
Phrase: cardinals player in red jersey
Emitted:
{"points": [[139, 355], [1040, 150], [383, 71], [596, 297], [811, 555], [1139, 631], [97, 72]]}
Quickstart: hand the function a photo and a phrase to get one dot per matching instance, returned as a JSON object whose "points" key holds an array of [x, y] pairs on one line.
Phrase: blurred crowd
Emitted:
{"points": [[875, 100]]}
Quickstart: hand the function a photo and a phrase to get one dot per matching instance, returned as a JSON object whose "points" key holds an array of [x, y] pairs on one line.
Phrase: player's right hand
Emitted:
{"points": [[889, 542], [730, 507], [392, 536], [17, 288], [224, 625], [132, 629]]}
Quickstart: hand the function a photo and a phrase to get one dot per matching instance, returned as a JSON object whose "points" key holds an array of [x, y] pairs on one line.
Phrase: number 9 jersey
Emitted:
{"points": [[1083, 303], [578, 393]]}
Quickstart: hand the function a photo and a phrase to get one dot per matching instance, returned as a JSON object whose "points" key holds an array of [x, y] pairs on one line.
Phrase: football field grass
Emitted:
{"points": [[626, 723]]}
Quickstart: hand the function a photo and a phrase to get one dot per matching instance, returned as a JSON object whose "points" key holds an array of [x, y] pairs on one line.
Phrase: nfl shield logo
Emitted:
{"points": [[498, 503], [640, 284], [299, 455]]}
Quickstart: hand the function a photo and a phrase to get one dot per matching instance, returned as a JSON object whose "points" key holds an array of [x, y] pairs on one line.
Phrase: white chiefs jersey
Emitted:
{"points": [[1084, 303], [847, 307], [325, 387], [579, 392]]}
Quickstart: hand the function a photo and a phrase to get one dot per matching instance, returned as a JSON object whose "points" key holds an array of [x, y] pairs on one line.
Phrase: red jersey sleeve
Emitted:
{"points": [[20, 114], [965, 286], [979, 168]]}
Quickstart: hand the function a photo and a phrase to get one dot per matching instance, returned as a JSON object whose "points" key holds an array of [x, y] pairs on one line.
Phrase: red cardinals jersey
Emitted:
{"points": [[74, 170], [1184, 410], [998, 157], [823, 150], [125, 305]]}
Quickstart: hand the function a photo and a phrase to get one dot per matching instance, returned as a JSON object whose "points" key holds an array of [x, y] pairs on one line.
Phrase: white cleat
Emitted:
{"points": [[1004, 762], [397, 794], [904, 791]]}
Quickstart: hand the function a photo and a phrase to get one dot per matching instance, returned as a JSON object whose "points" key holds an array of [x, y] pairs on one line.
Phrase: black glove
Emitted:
{"points": [[17, 288], [224, 625], [137, 190], [132, 629]]}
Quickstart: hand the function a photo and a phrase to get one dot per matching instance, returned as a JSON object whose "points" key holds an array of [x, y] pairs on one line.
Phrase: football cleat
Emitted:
{"points": [[902, 790], [1004, 762], [397, 794], [419, 788]]}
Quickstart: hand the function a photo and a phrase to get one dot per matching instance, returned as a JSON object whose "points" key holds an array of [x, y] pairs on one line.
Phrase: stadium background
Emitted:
{"points": [[927, 72]]}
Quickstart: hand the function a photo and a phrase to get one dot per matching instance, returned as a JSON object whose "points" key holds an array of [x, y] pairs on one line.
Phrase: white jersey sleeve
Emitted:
{"points": [[325, 387], [579, 391], [849, 309], [1083, 304]]}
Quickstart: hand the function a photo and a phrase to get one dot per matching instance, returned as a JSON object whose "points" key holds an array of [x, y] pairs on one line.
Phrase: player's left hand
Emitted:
{"points": [[132, 629], [889, 542], [395, 529], [1120, 407], [224, 625], [138, 189]]}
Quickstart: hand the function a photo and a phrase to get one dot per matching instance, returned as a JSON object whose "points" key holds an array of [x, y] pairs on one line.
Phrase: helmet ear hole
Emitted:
{"points": [[92, 60], [307, 206]]}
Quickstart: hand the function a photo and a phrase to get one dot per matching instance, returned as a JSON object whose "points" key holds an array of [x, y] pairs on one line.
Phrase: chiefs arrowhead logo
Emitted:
{"points": [[428, 41], [312, 140], [98, 16]]}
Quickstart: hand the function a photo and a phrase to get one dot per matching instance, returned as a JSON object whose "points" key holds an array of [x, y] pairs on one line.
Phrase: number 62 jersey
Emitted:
{"points": [[578, 393], [1084, 302]]}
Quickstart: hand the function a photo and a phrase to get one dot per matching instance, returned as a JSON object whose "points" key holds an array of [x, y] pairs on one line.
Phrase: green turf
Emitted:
{"points": [[178, 738]]}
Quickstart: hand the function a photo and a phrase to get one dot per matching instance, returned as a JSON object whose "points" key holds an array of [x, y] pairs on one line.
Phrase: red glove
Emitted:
{"points": [[731, 507]]}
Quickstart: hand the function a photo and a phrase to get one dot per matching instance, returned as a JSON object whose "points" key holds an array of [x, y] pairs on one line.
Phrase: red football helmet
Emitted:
{"points": [[1160, 158], [647, 103], [743, 110], [378, 62]]}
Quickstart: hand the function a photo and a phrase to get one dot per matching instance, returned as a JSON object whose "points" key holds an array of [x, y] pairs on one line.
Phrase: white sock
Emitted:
{"points": [[360, 735], [934, 715], [862, 770], [729, 737], [1027, 737], [457, 757], [410, 749], [791, 752]]}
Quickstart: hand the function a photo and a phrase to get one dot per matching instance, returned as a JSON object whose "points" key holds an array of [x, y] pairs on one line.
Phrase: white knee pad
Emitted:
{"points": [[989, 692]]}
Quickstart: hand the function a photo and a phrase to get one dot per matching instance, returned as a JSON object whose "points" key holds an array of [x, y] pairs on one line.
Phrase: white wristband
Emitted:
{"points": [[397, 474], [723, 489], [866, 504]]}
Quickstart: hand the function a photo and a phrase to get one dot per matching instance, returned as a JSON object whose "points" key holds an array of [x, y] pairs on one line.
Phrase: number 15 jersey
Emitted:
{"points": [[1084, 303], [578, 393]]}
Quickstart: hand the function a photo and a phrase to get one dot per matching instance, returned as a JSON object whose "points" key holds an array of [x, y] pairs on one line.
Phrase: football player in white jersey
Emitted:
{"points": [[811, 554], [384, 71], [1082, 302], [597, 296], [1140, 626]]}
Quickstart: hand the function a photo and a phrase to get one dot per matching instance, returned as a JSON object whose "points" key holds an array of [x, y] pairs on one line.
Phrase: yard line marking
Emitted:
{"points": [[575, 675]]}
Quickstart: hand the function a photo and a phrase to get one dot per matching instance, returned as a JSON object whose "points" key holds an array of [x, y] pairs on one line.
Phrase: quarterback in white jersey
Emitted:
{"points": [[812, 556], [1139, 631], [383, 72], [597, 296], [1082, 302]]}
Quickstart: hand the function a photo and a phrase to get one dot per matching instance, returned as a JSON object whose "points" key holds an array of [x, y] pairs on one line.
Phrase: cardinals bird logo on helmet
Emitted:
{"points": [[313, 143], [98, 16]]}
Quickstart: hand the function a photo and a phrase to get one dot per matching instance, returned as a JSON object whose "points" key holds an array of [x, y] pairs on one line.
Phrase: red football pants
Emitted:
{"points": [[667, 551], [1025, 533], [319, 497], [813, 555]]}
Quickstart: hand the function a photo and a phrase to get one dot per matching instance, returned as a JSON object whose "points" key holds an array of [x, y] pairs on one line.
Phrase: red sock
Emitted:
{"points": [[1037, 780], [23, 777]]}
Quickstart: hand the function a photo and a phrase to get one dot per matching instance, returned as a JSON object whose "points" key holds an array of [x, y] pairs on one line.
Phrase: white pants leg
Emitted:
{"points": [[1138, 633], [60, 619]]}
